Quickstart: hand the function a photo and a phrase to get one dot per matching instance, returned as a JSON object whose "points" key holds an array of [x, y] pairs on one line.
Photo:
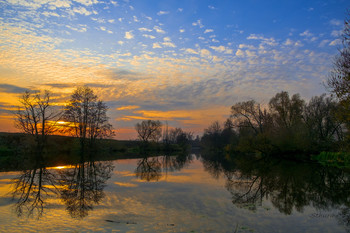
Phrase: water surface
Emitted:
{"points": [[185, 193]]}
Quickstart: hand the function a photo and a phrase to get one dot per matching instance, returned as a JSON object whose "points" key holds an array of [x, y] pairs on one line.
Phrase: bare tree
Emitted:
{"points": [[339, 80], [250, 114], [149, 130], [37, 116], [319, 116], [87, 116]]}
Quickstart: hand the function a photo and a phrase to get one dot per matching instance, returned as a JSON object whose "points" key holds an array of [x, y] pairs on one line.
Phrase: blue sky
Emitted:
{"points": [[185, 62]]}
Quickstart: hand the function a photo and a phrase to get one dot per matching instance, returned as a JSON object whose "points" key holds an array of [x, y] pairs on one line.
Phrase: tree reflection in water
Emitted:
{"points": [[82, 186], [288, 185], [152, 168], [31, 188], [79, 187]]}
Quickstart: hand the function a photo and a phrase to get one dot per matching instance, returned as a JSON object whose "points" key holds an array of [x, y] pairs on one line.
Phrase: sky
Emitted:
{"points": [[185, 62]]}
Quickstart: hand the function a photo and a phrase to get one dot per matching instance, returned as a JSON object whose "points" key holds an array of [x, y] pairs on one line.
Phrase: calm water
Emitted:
{"points": [[176, 194]]}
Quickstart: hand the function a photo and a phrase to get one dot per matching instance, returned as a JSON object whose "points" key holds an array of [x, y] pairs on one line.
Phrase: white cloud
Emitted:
{"points": [[306, 33], [205, 53], [336, 22], [121, 42], [222, 49], [158, 29], [208, 30], [323, 43], [47, 14], [336, 33], [149, 18], [163, 12], [242, 46], [136, 19], [129, 35], [120, 19], [289, 42], [335, 42], [82, 29], [149, 36], [115, 3], [156, 45], [169, 44], [240, 53], [269, 41], [180, 9], [191, 51], [145, 30], [250, 53], [211, 7], [182, 30], [87, 2], [166, 39], [198, 23], [81, 10], [61, 3], [111, 21]]}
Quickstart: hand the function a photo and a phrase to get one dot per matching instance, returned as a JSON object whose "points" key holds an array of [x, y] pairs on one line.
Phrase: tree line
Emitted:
{"points": [[85, 117], [287, 125]]}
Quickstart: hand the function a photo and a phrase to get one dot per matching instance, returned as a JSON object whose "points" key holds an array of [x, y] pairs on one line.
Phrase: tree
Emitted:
{"points": [[36, 116], [286, 112], [87, 116], [149, 130], [249, 114], [178, 136], [323, 127], [339, 80]]}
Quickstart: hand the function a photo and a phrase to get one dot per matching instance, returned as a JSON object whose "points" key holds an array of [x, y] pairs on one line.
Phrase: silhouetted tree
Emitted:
{"points": [[37, 116], [323, 127], [149, 130], [87, 116], [339, 80], [287, 112], [178, 136], [250, 114]]}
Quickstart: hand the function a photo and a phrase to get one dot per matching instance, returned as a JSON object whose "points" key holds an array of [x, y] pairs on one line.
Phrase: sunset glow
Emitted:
{"points": [[177, 61]]}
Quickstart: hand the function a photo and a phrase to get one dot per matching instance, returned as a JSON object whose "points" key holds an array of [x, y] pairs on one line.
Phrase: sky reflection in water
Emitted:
{"points": [[179, 194]]}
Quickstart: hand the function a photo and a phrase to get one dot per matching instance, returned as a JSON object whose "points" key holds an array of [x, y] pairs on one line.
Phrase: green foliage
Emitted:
{"points": [[334, 159]]}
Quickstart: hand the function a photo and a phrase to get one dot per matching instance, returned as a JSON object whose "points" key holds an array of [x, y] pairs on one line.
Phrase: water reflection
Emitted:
{"points": [[31, 188], [288, 185], [82, 187], [153, 168], [79, 187]]}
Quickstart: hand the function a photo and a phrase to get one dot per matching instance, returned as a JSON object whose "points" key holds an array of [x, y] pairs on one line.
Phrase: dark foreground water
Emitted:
{"points": [[184, 193]]}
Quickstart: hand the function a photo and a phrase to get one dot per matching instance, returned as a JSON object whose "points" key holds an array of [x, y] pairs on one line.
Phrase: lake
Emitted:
{"points": [[184, 193]]}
